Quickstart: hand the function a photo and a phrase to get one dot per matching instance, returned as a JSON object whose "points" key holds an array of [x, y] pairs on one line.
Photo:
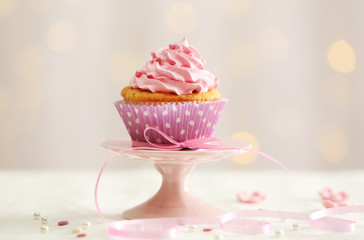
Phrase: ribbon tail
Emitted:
{"points": [[269, 157], [98, 181], [102, 170]]}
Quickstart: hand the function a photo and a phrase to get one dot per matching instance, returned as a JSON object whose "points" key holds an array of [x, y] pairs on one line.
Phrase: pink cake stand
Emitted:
{"points": [[173, 199]]}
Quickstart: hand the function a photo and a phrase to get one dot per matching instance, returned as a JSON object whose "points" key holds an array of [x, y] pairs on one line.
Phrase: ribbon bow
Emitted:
{"points": [[208, 144], [173, 145]]}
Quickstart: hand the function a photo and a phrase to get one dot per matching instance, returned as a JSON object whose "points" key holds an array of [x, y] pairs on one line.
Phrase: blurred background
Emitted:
{"points": [[292, 71]]}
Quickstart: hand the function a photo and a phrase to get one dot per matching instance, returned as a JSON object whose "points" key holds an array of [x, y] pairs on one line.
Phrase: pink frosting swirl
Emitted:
{"points": [[178, 69]]}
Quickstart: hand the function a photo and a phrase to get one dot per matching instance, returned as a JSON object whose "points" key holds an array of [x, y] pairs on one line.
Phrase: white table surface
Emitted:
{"points": [[68, 195]]}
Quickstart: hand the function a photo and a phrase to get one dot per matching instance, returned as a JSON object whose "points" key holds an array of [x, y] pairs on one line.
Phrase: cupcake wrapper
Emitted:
{"points": [[180, 121]]}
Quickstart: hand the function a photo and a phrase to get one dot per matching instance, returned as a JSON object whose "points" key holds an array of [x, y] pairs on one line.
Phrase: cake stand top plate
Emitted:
{"points": [[186, 155]]}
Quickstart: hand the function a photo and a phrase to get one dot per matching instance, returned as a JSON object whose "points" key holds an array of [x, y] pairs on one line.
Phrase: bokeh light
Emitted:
{"points": [[243, 57], [236, 8], [38, 5], [123, 67], [241, 119], [4, 100], [30, 63], [62, 36], [337, 90], [334, 145], [342, 57], [74, 4], [31, 66], [181, 18], [287, 122], [249, 156], [6, 7], [10, 131], [273, 44]]}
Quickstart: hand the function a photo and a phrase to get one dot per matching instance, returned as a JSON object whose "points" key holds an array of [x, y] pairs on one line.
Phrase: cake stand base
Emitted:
{"points": [[173, 198]]}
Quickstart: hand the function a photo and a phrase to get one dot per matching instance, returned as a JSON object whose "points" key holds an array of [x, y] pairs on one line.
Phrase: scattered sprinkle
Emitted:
{"points": [[330, 199], [82, 235], [44, 220], [86, 225], [36, 215], [255, 197], [332, 204], [218, 237], [192, 228], [76, 230], [207, 229], [296, 226], [62, 223], [44, 229], [279, 233]]}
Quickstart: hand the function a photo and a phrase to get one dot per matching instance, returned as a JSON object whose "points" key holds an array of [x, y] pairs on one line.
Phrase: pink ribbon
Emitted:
{"points": [[231, 222], [201, 143], [210, 143], [235, 223]]}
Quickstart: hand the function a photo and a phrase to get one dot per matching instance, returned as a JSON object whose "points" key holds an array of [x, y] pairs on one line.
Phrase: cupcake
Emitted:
{"points": [[174, 94]]}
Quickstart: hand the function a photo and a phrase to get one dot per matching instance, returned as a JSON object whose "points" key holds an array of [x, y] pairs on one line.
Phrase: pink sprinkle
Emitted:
{"points": [[149, 76], [172, 46], [62, 223], [138, 74], [207, 229], [153, 54], [158, 60], [82, 235]]}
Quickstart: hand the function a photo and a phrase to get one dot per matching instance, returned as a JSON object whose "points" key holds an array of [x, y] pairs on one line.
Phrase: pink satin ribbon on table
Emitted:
{"points": [[235, 223], [168, 227]]}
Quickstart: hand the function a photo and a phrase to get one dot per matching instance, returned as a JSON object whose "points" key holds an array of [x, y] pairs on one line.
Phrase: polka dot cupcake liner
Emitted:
{"points": [[181, 121]]}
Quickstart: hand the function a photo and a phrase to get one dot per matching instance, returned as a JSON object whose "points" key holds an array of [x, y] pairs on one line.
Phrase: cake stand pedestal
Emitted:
{"points": [[173, 198]]}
